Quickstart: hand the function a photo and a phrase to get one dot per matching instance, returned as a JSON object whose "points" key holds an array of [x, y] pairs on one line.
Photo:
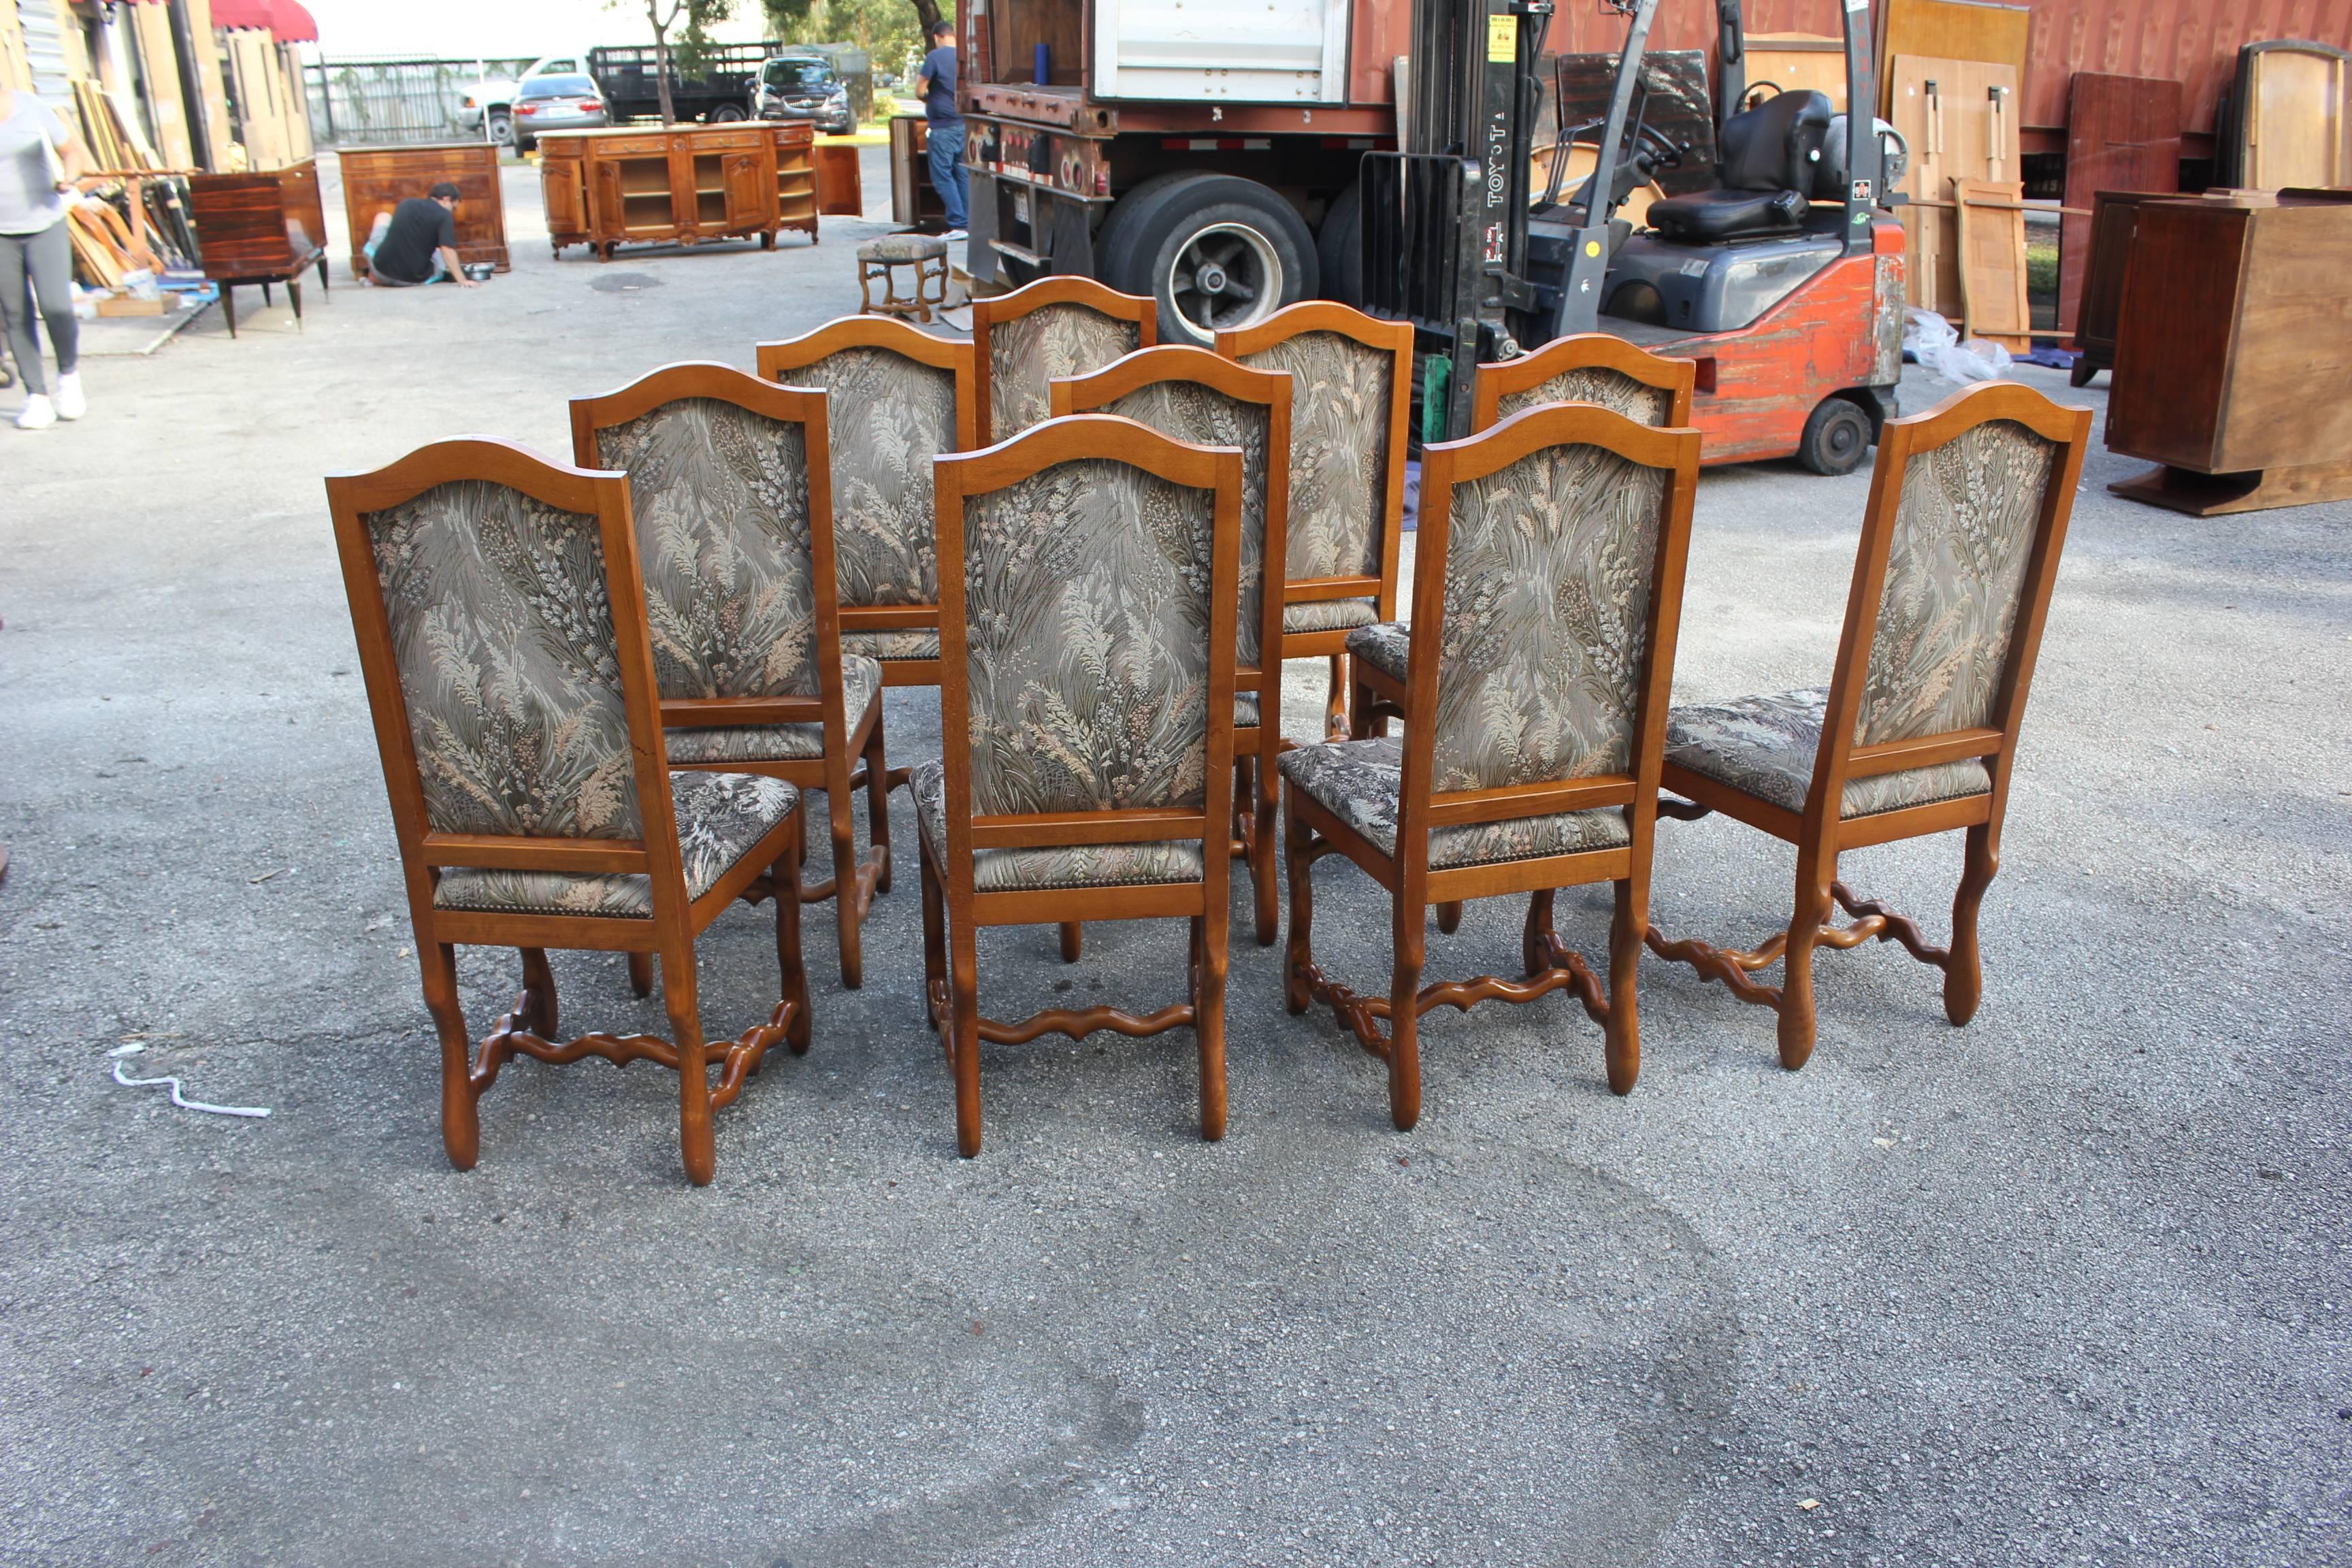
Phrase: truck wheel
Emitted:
{"points": [[1836, 436], [727, 114], [502, 128], [1339, 247], [1215, 251]]}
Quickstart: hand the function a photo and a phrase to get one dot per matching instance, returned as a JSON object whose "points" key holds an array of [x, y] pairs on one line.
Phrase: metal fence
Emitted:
{"points": [[358, 103]]}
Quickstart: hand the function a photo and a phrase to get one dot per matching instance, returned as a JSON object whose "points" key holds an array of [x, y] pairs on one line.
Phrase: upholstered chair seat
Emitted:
{"points": [[894, 647], [1766, 746], [861, 679], [1361, 782], [1386, 647], [1041, 870], [721, 818], [1329, 615]]}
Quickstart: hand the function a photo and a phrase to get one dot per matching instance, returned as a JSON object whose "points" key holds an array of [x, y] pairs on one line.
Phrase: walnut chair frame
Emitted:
{"points": [[1390, 337], [952, 956], [531, 1027], [855, 881], [1820, 833], [1582, 351], [1253, 773], [777, 361], [1311, 831], [994, 312]]}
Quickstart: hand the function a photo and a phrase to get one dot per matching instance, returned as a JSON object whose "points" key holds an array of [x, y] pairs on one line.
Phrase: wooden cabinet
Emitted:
{"points": [[2232, 350], [378, 179], [676, 186], [914, 204]]}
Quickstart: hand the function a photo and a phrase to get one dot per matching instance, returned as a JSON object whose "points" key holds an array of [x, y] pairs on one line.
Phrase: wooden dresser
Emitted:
{"points": [[646, 185], [259, 228], [378, 179], [2232, 350]]}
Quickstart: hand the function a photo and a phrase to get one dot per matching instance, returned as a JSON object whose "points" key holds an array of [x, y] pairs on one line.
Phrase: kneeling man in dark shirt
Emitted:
{"points": [[416, 242]]}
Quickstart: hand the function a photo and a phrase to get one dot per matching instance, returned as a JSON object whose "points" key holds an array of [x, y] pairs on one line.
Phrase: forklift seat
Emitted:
{"points": [[1769, 157]]}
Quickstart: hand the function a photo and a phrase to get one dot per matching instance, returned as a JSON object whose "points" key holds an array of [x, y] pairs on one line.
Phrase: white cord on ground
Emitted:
{"points": [[183, 1101]]}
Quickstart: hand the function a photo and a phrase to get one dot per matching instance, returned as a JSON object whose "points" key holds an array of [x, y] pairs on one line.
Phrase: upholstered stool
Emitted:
{"points": [[881, 259]]}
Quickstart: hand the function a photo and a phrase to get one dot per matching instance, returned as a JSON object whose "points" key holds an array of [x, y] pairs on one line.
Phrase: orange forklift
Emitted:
{"points": [[1783, 281]]}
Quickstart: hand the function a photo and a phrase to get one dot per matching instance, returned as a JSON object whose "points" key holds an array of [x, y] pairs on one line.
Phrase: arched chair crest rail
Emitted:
{"points": [[1056, 327]]}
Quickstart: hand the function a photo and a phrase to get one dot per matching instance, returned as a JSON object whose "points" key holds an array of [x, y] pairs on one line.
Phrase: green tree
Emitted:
{"points": [[693, 20], [885, 29]]}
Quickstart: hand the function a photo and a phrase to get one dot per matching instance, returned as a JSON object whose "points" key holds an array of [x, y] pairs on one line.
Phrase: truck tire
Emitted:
{"points": [[1339, 247], [1215, 251], [502, 128], [1837, 435], [726, 114]]}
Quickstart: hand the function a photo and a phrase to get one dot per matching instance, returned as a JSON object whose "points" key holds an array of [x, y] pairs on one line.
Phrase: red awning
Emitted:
{"points": [[285, 20]]}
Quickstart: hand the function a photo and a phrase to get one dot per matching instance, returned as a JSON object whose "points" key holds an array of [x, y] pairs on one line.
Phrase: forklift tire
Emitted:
{"points": [[1837, 435], [1249, 233]]}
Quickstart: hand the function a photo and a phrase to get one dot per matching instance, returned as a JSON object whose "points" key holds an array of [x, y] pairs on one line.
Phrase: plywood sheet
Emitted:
{"points": [[1799, 62], [2123, 133], [1952, 30], [1991, 214], [1959, 120]]}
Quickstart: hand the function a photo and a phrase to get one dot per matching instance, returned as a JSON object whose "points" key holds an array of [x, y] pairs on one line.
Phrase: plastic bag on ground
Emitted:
{"points": [[1933, 341]]}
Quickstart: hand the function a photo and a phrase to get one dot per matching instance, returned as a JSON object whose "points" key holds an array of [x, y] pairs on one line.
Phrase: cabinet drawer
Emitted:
{"points": [[726, 141], [630, 146]]}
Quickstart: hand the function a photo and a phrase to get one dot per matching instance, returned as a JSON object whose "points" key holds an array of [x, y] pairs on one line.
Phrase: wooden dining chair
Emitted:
{"points": [[730, 483], [510, 668], [1351, 399], [1056, 327], [1090, 579], [895, 397], [1587, 367], [1917, 730], [1547, 596], [1193, 395]]}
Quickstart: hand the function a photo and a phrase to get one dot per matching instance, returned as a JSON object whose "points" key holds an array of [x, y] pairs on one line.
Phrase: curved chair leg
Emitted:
{"points": [[1405, 1019], [1449, 916], [935, 933], [1264, 910], [1336, 725], [878, 805], [963, 1003], [538, 1006], [1299, 955], [1622, 1036], [1535, 939], [641, 974], [1073, 941], [848, 913], [1964, 976], [696, 1142], [791, 973], [1208, 961], [461, 1125], [1812, 911]]}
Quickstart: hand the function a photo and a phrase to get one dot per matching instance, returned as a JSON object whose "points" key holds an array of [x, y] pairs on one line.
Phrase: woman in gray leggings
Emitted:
{"points": [[39, 155]]}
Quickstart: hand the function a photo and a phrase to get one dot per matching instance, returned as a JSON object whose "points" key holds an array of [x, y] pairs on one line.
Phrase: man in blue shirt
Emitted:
{"points": [[937, 85]]}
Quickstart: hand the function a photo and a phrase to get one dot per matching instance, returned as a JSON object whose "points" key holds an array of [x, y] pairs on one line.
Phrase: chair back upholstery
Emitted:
{"points": [[1056, 327], [1967, 513], [502, 635], [895, 397], [730, 482], [1587, 367], [1550, 577], [1195, 396], [1088, 644], [1351, 391]]}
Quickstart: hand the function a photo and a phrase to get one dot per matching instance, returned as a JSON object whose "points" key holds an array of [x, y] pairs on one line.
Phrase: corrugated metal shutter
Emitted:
{"points": [[45, 46]]}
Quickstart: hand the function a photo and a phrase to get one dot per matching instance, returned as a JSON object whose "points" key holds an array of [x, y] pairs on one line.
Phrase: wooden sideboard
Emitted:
{"points": [[378, 179], [2231, 351], [914, 203], [680, 185], [259, 228]]}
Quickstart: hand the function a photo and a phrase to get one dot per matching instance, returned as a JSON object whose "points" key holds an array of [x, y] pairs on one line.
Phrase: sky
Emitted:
{"points": [[453, 29]]}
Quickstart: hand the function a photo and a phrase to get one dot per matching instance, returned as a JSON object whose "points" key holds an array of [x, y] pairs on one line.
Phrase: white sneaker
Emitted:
{"points": [[39, 414], [955, 234], [71, 403]]}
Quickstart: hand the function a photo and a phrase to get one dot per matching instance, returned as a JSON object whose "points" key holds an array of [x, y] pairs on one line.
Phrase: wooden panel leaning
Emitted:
{"points": [[1089, 573], [510, 669], [1917, 730], [1587, 367], [1351, 401], [731, 483], [1547, 597], [259, 228], [1195, 396], [895, 397], [1056, 327]]}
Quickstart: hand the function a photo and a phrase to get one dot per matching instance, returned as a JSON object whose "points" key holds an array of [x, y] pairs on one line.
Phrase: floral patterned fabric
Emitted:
{"points": [[720, 495], [1246, 709], [1087, 607], [1049, 342], [1360, 782], [1188, 411], [889, 417], [722, 817], [502, 633], [1598, 384], [1547, 570], [1387, 648], [1766, 747], [1029, 870], [922, 643], [1963, 533], [1329, 615], [860, 679], [1339, 452]]}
